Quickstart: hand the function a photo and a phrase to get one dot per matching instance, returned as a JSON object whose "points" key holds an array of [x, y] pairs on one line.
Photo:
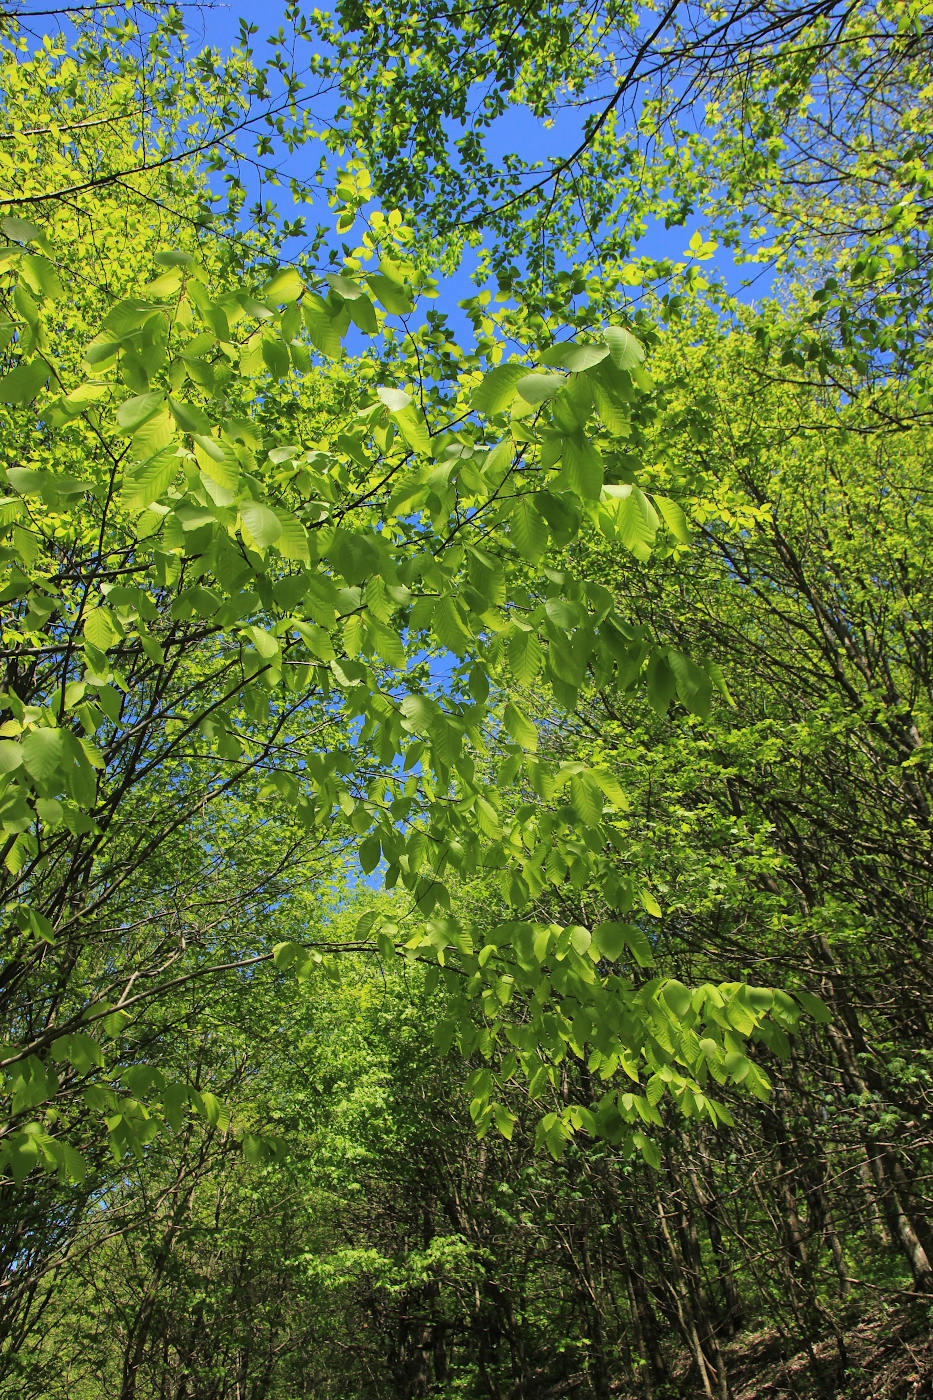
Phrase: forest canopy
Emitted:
{"points": [[464, 765]]}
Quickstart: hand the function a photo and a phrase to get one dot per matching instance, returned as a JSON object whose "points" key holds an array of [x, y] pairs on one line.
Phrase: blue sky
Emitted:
{"points": [[218, 26]]}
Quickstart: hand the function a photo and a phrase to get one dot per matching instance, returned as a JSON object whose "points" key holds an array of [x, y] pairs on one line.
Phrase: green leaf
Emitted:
{"points": [[284, 954], [586, 799], [449, 628], [575, 357], [218, 461], [613, 938], [694, 687], [636, 521], [42, 277], [648, 1150], [487, 817], [276, 357], [528, 530], [286, 286], [370, 854], [582, 467], [265, 643], [21, 231], [394, 399], [610, 940], [324, 329], [44, 753], [316, 640], [173, 257], [130, 315], [213, 1111], [649, 903], [626, 351], [612, 788], [292, 543], [146, 481], [661, 683], [520, 727], [737, 1064], [614, 413], [189, 417], [580, 939], [83, 397], [261, 523], [52, 486], [80, 1050], [498, 388], [525, 656], [813, 1006], [391, 294], [135, 412], [505, 1121], [678, 997], [343, 287], [100, 629], [673, 518], [414, 429], [363, 315], [11, 755], [537, 388], [253, 1149], [555, 1135], [23, 383]]}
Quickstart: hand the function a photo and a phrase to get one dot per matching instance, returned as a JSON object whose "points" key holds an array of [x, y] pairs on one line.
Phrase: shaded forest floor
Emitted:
{"points": [[889, 1356]]}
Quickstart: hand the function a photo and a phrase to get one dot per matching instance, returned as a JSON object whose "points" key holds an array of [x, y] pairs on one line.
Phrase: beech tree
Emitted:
{"points": [[226, 564], [551, 668]]}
